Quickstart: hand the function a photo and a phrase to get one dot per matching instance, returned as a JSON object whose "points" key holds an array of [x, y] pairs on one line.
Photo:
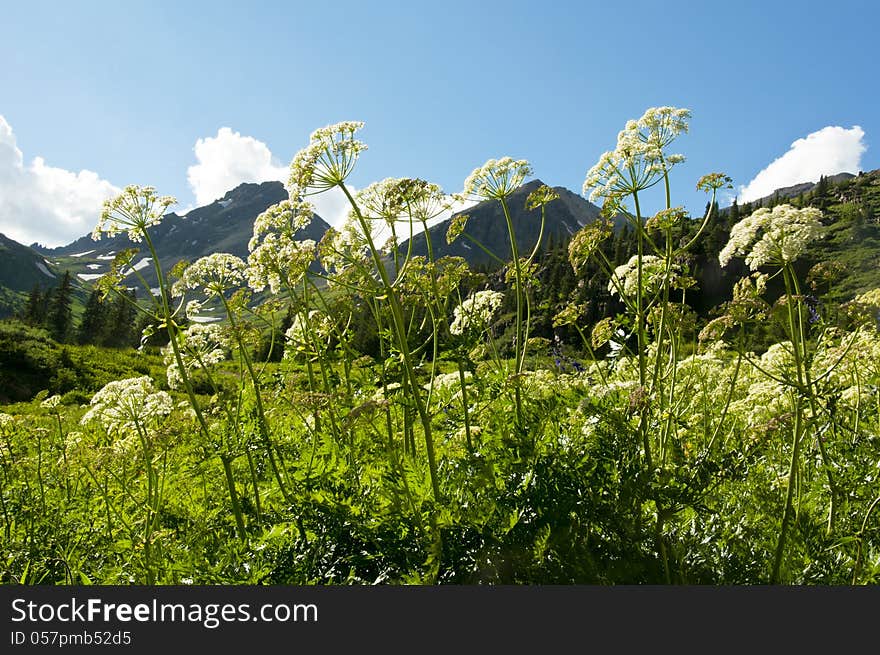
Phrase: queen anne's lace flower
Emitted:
{"points": [[667, 219], [586, 241], [277, 256], [714, 181], [279, 260], [496, 179], [450, 382], [456, 227], [401, 199], [286, 217], [306, 336], [128, 405], [778, 359], [870, 298], [201, 345], [51, 402], [6, 421], [476, 312], [773, 236], [194, 308], [848, 362], [639, 160], [326, 161], [569, 315], [541, 197], [654, 275], [132, 211], [212, 275]]}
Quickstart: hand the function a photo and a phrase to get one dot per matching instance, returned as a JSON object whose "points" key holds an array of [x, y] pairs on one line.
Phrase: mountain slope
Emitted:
{"points": [[225, 225], [487, 225], [21, 269], [789, 192]]}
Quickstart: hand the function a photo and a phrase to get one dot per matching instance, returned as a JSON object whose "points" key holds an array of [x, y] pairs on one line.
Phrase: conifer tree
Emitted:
{"points": [[820, 193], [60, 314], [119, 330], [34, 312], [94, 320]]}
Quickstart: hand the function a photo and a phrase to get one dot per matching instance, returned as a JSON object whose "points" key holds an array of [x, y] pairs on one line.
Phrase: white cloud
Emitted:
{"points": [[41, 203], [230, 159], [227, 160], [831, 150]]}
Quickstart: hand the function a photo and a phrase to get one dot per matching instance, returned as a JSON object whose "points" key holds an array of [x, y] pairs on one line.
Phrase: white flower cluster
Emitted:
{"points": [[201, 345], [654, 274], [213, 275], [447, 386], [277, 256], [496, 179], [779, 360], [401, 199], [128, 405], [6, 421], [450, 382], [338, 250], [870, 299], [327, 160], [847, 364], [638, 161], [133, 210], [475, 313], [51, 402], [279, 260], [286, 217], [765, 400], [773, 236], [308, 334], [703, 380]]}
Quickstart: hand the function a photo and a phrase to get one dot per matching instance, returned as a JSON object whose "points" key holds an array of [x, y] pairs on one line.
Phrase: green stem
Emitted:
{"points": [[519, 346], [464, 403], [258, 399], [826, 460], [861, 534], [796, 332], [642, 336], [400, 333], [63, 455], [172, 329]]}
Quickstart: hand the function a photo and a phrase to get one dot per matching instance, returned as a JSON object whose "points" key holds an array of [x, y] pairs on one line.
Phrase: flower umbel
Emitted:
{"points": [[638, 161], [285, 217], [475, 313], [456, 227], [308, 336], [279, 260], [654, 274], [402, 199], [201, 346], [496, 179], [213, 275], [773, 236], [128, 405], [586, 241], [132, 211], [326, 161]]}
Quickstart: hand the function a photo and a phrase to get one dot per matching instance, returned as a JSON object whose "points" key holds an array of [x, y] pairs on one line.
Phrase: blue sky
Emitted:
{"points": [[97, 95]]}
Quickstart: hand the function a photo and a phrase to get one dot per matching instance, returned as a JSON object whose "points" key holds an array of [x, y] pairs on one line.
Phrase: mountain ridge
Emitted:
{"points": [[226, 225], [487, 226]]}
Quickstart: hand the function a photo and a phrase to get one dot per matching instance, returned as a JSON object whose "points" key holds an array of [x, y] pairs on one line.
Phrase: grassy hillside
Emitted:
{"points": [[21, 269]]}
